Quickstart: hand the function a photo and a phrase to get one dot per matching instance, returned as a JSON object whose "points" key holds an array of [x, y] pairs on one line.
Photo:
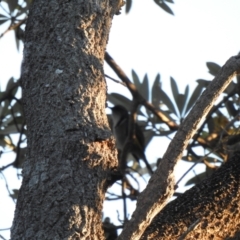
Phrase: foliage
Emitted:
{"points": [[220, 123]]}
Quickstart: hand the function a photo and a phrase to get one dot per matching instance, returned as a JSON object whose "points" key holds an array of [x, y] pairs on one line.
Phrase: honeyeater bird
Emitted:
{"points": [[120, 119]]}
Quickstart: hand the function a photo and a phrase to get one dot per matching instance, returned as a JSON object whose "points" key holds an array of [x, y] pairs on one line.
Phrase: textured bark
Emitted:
{"points": [[210, 210], [70, 147]]}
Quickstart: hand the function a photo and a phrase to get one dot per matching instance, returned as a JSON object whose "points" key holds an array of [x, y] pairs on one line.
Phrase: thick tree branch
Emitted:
{"points": [[161, 184], [204, 211]]}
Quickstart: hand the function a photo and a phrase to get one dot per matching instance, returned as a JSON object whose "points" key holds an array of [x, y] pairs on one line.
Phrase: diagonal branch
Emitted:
{"points": [[136, 95], [161, 185]]}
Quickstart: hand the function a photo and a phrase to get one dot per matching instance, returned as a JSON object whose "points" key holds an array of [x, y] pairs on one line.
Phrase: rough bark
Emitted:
{"points": [[71, 151], [210, 210], [161, 185]]}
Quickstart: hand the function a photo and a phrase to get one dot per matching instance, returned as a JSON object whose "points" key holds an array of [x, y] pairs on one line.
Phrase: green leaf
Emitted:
{"points": [[17, 108], [174, 87], [8, 130], [148, 135], [5, 109], [213, 68], [7, 121], [165, 133], [195, 95], [14, 195], [155, 91], [12, 4], [231, 87], [164, 6], [144, 88], [29, 2], [166, 100], [3, 21], [186, 93], [204, 83], [20, 158], [22, 10], [1, 110], [136, 79], [231, 108], [211, 125], [3, 16], [10, 84], [181, 103], [2, 142], [16, 39], [118, 99], [12, 121], [128, 5]]}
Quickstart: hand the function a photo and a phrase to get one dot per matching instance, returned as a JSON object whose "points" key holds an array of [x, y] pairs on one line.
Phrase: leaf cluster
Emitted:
{"points": [[221, 122], [208, 146]]}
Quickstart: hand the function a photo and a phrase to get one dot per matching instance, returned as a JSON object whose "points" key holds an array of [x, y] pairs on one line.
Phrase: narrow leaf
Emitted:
{"points": [[213, 68], [3, 20], [155, 91], [5, 110], [231, 87], [195, 95], [174, 87], [8, 130], [144, 88], [128, 5], [204, 83], [3, 16], [164, 6], [186, 93], [12, 4], [148, 135], [181, 103], [136, 79], [166, 100], [231, 108], [118, 99], [10, 84]]}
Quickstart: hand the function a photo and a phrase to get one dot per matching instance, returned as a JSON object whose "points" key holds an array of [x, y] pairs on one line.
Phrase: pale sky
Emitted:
{"points": [[150, 41]]}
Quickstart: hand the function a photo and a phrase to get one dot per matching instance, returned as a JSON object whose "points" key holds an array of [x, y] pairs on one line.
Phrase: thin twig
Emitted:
{"points": [[5, 167], [2, 237], [116, 81], [198, 161], [13, 26], [124, 201], [5, 229]]}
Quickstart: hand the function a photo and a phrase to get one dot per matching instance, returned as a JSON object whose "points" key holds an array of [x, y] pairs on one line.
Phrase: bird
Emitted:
{"points": [[120, 119]]}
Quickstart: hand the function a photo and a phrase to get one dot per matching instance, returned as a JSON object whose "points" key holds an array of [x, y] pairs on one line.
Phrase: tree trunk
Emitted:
{"points": [[71, 151], [210, 210]]}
